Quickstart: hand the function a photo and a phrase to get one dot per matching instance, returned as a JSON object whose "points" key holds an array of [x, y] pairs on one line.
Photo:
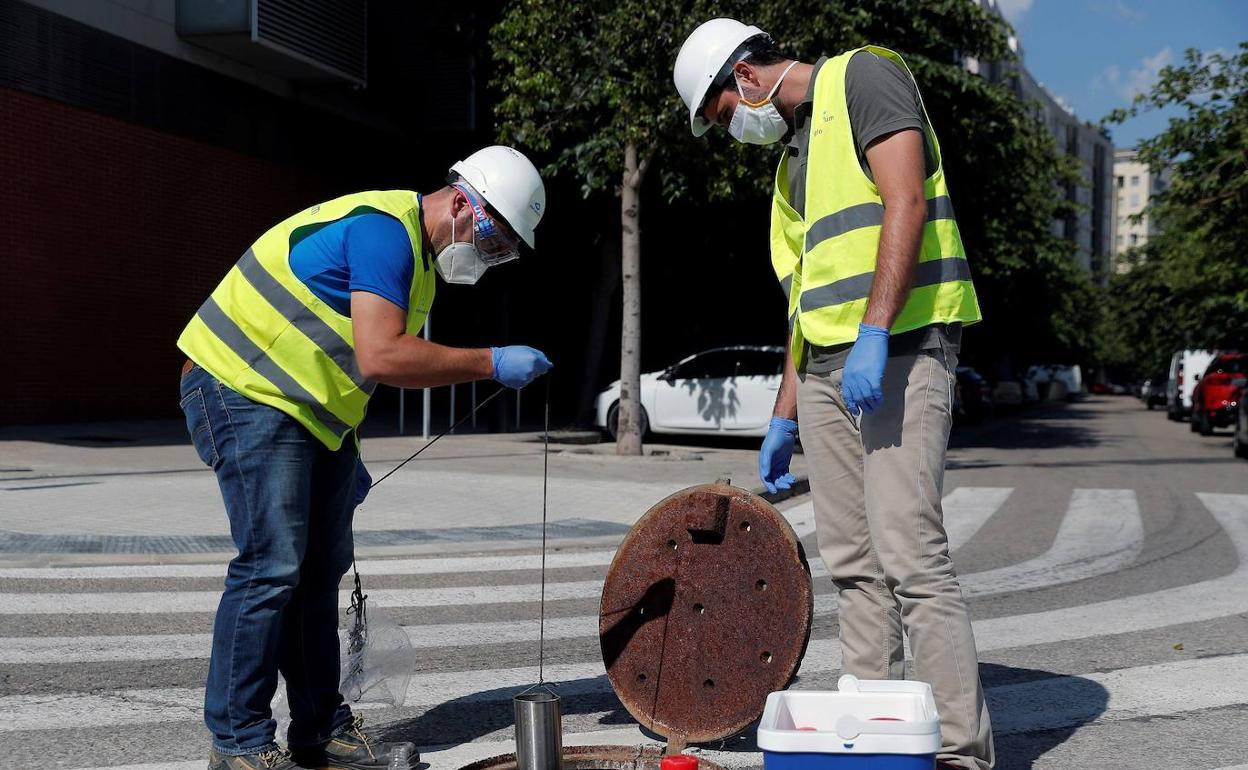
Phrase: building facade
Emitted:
{"points": [[1091, 226], [1134, 185], [142, 153]]}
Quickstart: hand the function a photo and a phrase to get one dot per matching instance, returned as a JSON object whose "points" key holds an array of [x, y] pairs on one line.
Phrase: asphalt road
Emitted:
{"points": [[1103, 549]]}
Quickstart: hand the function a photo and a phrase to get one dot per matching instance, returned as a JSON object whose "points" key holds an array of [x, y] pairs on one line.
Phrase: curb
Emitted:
{"points": [[800, 487]]}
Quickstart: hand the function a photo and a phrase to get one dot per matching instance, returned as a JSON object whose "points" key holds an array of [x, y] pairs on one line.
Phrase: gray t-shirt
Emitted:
{"points": [[882, 99]]}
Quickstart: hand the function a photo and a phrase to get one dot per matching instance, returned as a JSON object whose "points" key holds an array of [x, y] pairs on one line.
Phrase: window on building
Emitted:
{"points": [[1135, 200], [1120, 181], [1135, 181], [1135, 239]]}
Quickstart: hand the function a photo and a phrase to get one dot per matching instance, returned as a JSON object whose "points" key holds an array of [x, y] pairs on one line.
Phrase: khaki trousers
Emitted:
{"points": [[878, 519]]}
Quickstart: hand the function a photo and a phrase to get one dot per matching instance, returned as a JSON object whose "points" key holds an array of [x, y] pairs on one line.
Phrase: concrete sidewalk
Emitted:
{"points": [[90, 492]]}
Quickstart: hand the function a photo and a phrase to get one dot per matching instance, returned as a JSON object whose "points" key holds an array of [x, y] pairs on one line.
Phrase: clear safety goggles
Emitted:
{"points": [[492, 241]]}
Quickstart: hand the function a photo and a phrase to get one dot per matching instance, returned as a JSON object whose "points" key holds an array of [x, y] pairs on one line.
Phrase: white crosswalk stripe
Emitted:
{"points": [[164, 602], [1101, 532], [430, 566]]}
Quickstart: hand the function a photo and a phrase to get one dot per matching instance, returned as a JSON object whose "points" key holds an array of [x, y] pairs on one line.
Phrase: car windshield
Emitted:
{"points": [[719, 364], [1236, 365]]}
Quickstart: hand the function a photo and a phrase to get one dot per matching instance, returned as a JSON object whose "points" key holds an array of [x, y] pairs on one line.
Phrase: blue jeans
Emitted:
{"points": [[290, 501]]}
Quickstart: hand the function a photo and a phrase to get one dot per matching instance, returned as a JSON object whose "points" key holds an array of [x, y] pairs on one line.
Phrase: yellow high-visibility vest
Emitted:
{"points": [[263, 333], [825, 261]]}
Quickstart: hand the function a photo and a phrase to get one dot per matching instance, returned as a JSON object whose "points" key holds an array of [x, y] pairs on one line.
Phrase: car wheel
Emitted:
{"points": [[1149, 405], [613, 421], [1203, 425], [1241, 448], [1192, 424]]}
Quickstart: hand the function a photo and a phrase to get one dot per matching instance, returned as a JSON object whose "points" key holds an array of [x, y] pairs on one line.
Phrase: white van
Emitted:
{"points": [[1186, 366]]}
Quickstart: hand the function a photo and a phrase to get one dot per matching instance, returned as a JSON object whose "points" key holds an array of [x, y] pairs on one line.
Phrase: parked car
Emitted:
{"points": [[1185, 369], [1240, 442], [1153, 391], [972, 396], [1008, 393], [1054, 382], [729, 390], [1215, 397]]}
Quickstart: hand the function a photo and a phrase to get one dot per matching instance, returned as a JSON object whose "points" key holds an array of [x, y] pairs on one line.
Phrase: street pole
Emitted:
{"points": [[424, 412]]}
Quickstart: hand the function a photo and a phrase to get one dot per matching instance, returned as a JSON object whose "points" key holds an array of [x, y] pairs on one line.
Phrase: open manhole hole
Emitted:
{"points": [[596, 758]]}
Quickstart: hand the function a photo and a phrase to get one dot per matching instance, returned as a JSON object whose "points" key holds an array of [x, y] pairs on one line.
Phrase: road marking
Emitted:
{"points": [[966, 511], [1046, 704], [1192, 603], [101, 649], [167, 602], [1128, 693], [1102, 532], [969, 504], [1186, 604], [433, 566]]}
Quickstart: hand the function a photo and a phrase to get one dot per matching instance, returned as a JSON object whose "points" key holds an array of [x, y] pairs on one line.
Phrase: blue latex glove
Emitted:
{"points": [[777, 452], [517, 365], [864, 370], [362, 481]]}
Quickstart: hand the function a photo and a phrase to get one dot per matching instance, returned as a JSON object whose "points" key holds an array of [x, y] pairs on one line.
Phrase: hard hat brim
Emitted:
{"points": [[697, 124]]}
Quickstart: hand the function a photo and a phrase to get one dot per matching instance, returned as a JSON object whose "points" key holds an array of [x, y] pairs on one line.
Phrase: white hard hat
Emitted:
{"points": [[704, 54], [509, 182]]}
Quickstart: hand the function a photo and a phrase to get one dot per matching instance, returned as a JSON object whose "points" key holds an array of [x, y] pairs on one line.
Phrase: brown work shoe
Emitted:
{"points": [[274, 759], [355, 748]]}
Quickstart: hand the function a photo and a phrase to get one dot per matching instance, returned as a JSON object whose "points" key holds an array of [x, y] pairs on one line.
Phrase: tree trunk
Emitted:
{"points": [[628, 441]]}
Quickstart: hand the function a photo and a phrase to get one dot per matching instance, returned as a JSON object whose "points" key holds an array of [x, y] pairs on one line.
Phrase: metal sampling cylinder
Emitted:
{"points": [[539, 730]]}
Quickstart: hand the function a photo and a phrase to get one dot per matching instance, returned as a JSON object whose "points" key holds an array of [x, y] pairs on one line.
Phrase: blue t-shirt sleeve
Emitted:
{"points": [[379, 257]]}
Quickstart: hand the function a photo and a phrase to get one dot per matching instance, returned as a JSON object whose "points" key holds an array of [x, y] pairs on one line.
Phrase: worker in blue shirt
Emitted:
{"points": [[282, 360]]}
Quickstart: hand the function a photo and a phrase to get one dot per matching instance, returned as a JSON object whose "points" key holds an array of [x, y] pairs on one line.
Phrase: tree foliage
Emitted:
{"points": [[1188, 286]]}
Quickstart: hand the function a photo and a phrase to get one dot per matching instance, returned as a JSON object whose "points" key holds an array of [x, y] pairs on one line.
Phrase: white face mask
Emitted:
{"points": [[465, 263], [759, 122], [460, 262]]}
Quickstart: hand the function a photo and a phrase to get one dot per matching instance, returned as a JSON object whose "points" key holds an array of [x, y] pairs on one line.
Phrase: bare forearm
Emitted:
{"points": [[786, 398], [896, 259], [411, 362]]}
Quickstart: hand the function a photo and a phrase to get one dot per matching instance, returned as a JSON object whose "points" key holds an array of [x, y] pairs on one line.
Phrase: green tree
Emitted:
{"points": [[588, 85], [1188, 286]]}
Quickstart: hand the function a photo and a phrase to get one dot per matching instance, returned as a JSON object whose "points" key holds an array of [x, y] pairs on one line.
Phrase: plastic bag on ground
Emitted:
{"points": [[376, 664]]}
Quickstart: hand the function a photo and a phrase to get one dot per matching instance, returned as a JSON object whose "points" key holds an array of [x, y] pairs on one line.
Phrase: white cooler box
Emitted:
{"points": [[863, 725]]}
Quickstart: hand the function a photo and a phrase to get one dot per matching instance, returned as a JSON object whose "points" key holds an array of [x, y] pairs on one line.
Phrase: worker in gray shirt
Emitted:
{"points": [[882, 99], [866, 247]]}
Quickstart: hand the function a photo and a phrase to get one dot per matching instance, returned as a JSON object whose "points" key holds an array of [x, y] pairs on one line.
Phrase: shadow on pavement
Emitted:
{"points": [[475, 716], [1020, 695], [1042, 427]]}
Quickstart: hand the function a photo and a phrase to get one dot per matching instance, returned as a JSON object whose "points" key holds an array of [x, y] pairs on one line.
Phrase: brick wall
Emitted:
{"points": [[111, 235]]}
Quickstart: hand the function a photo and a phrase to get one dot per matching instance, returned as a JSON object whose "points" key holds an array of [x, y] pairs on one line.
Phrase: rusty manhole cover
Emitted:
{"points": [[705, 611]]}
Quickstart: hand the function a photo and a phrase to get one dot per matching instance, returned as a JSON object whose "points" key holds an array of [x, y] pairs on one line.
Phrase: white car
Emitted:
{"points": [[725, 391], [1186, 366]]}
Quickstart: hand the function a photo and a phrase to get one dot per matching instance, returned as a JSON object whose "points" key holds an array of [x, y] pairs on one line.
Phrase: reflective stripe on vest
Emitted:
{"points": [[237, 341], [826, 260], [265, 334]]}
